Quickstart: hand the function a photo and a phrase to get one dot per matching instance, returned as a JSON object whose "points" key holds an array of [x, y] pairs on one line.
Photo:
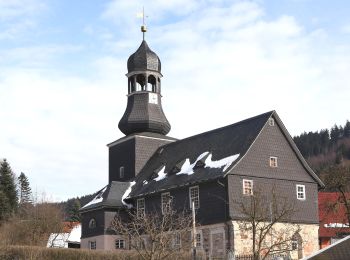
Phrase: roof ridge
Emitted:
{"points": [[220, 128]]}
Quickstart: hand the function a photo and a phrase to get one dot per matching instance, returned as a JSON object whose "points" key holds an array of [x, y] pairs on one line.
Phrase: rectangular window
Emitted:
{"points": [[92, 245], [177, 240], [247, 187], [198, 239], [194, 196], [273, 161], [141, 208], [166, 202], [301, 192], [121, 172], [271, 122], [119, 244]]}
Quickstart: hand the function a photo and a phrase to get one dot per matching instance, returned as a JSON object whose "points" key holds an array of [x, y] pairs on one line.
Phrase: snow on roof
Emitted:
{"points": [[187, 167], [58, 240], [75, 234], [98, 198], [336, 225], [126, 194], [161, 174], [226, 162]]}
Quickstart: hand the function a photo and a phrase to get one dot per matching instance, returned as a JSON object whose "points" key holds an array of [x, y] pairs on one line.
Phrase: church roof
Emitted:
{"points": [[109, 196], [198, 158], [144, 59]]}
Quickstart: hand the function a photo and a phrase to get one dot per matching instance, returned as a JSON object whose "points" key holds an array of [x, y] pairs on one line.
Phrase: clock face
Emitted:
{"points": [[153, 98]]}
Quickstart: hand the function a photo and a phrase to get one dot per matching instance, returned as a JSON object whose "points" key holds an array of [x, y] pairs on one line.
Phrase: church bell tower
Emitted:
{"points": [[143, 123], [144, 112]]}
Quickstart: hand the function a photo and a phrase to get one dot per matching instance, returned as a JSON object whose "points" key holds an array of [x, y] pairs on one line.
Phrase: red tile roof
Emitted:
{"points": [[333, 218]]}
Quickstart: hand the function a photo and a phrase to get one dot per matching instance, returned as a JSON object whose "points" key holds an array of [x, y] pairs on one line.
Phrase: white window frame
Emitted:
{"points": [[250, 188], [194, 198], [273, 161], [271, 122], [119, 244], [141, 207], [199, 239], [177, 240], [92, 245], [301, 195], [121, 172], [166, 202]]}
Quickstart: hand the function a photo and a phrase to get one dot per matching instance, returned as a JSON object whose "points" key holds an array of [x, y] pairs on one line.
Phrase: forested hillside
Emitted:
{"points": [[325, 147]]}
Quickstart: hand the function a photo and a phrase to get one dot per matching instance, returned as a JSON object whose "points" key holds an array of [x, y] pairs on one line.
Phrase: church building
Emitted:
{"points": [[212, 171]]}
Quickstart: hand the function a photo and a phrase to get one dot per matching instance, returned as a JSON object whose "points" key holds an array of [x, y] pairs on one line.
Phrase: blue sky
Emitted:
{"points": [[63, 85]]}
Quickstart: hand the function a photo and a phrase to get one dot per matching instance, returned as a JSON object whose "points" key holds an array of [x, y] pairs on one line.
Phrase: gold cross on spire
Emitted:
{"points": [[143, 26]]}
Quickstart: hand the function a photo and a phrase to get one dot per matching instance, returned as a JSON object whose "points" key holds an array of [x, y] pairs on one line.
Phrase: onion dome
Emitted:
{"points": [[144, 59]]}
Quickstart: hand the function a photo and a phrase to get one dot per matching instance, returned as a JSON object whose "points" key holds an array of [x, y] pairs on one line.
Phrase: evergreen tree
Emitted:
{"points": [[25, 192], [8, 187], [347, 129], [74, 214], [4, 206]]}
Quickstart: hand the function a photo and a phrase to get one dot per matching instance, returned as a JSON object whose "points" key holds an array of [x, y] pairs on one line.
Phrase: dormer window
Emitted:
{"points": [[201, 163], [177, 167], [121, 172], [273, 162]]}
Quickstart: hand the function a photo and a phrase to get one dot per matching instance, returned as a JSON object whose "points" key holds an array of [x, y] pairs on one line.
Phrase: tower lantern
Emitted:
{"points": [[144, 112]]}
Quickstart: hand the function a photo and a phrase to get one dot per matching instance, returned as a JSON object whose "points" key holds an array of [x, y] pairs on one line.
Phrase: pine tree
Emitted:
{"points": [[74, 214], [8, 187], [25, 192], [5, 208]]}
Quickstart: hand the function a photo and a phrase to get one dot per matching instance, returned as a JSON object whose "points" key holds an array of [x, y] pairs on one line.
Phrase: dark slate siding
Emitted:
{"points": [[122, 154], [145, 148], [272, 142], [212, 199], [98, 215], [132, 153], [290, 171], [306, 210]]}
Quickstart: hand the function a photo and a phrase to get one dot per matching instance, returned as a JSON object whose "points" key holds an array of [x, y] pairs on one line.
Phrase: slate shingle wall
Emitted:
{"points": [[290, 171], [98, 215]]}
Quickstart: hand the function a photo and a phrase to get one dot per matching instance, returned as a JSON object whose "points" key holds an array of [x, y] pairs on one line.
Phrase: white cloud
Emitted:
{"points": [[222, 62]]}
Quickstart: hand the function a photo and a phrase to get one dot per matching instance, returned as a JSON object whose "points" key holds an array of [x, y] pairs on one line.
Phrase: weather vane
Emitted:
{"points": [[143, 26]]}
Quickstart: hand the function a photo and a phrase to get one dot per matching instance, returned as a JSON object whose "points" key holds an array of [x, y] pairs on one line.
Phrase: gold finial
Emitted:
{"points": [[143, 26]]}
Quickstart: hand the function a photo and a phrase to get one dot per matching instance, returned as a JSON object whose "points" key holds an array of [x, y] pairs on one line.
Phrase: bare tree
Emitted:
{"points": [[154, 235], [267, 219], [337, 179]]}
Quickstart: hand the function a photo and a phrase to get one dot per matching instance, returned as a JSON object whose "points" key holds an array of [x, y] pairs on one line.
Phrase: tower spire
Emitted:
{"points": [[143, 26]]}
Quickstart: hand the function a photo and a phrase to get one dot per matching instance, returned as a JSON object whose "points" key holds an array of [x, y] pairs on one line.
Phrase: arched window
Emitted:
{"points": [[140, 82], [92, 223], [151, 84]]}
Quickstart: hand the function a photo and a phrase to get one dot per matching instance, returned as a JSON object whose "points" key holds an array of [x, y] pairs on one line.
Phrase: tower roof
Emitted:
{"points": [[144, 59]]}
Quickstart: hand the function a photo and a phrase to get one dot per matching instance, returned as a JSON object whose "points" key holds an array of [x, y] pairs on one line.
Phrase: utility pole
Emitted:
{"points": [[194, 237]]}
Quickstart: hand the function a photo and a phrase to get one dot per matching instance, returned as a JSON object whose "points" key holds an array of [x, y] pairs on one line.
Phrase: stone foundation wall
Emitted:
{"points": [[308, 233], [105, 242]]}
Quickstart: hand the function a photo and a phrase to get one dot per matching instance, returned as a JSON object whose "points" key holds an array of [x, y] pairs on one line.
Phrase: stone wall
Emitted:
{"points": [[308, 233]]}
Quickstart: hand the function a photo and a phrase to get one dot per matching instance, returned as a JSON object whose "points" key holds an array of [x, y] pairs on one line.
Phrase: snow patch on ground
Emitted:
{"points": [[58, 240], [98, 198], [126, 194]]}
